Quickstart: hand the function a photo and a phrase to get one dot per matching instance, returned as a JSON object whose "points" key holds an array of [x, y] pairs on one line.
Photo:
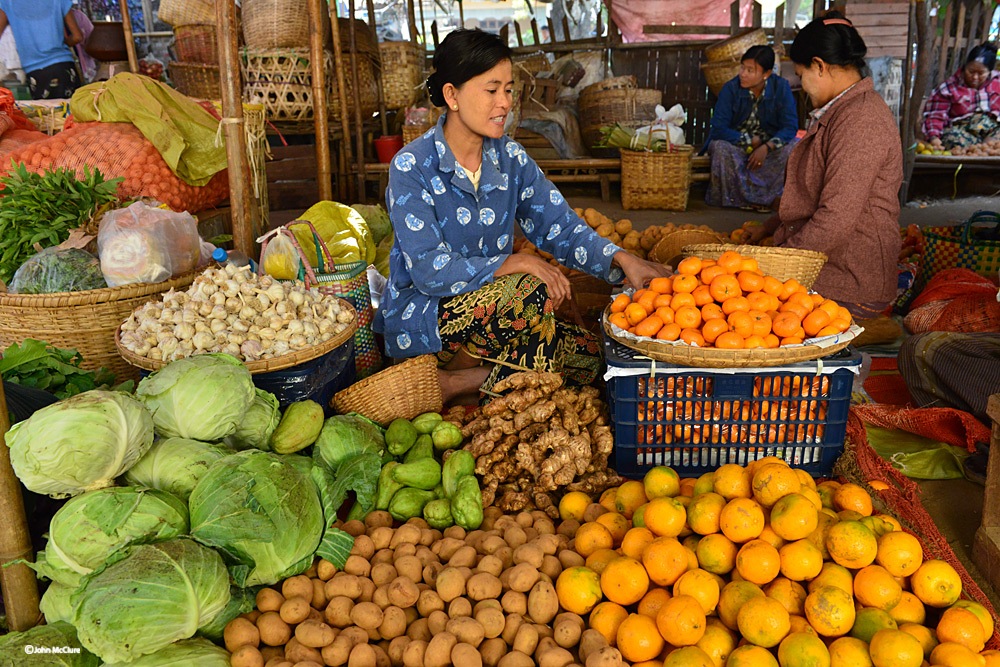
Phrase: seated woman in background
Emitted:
{"points": [[753, 127], [964, 110]]}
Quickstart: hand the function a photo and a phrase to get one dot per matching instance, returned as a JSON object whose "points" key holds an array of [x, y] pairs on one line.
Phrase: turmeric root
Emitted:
{"points": [[538, 412]]}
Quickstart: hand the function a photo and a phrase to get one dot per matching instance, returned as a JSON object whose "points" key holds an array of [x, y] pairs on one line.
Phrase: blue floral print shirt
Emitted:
{"points": [[451, 237]]}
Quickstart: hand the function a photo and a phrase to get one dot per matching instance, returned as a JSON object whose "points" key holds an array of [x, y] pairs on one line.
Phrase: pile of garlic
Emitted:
{"points": [[232, 310]]}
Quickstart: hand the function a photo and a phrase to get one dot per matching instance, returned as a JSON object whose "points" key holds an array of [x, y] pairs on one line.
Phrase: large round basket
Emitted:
{"points": [[261, 365], [196, 80], [734, 47], [659, 180], [402, 73], [782, 263], [718, 73], [402, 391], [196, 44], [683, 354], [83, 321], [279, 24], [670, 247]]}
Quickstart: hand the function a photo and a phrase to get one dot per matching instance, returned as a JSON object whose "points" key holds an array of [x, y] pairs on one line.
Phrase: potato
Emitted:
{"points": [[426, 556], [382, 536], [240, 632], [531, 553], [318, 600], [279, 662], [413, 654], [408, 533], [514, 602], [247, 656], [591, 641], [403, 592], [252, 615], [490, 564], [474, 537], [314, 634], [383, 573], [358, 565], [492, 650], [514, 536], [492, 621], [567, 632], [269, 599], [296, 651], [383, 556], [606, 656], [544, 643], [551, 567], [447, 547], [381, 657], [367, 615], [459, 608], [367, 590], [381, 597], [464, 557], [362, 655], [438, 653], [409, 567], [355, 634], [569, 558], [437, 622], [338, 611], [419, 522], [315, 615], [522, 577], [466, 655], [298, 586], [526, 639], [631, 241], [467, 630], [454, 532], [412, 616], [516, 659], [593, 511], [342, 584], [295, 609], [490, 544], [605, 230], [325, 569], [555, 657], [483, 586], [450, 584], [354, 527], [419, 630], [404, 549], [543, 603], [430, 573], [429, 601], [273, 630], [338, 652], [378, 519], [396, 648], [269, 653], [393, 623], [624, 226], [549, 543]]}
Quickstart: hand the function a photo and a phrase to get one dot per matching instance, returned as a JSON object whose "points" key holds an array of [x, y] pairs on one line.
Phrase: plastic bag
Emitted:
{"points": [[280, 259], [145, 244], [666, 127], [343, 229], [915, 456], [58, 270]]}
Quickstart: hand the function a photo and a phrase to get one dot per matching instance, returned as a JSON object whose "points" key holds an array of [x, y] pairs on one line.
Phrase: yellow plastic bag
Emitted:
{"points": [[280, 260], [343, 229]]}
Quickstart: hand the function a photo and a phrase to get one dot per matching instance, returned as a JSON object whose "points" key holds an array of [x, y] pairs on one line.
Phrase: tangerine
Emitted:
{"points": [[649, 326], [665, 516], [651, 602], [624, 580], [638, 638], [669, 332], [772, 481], [578, 589], [685, 283], [750, 281], [794, 517], [936, 583], [875, 587], [714, 328], [688, 656], [750, 655], [635, 313], [617, 524], [801, 560], [635, 541], [661, 481], [681, 620], [849, 652], [791, 595], [702, 585], [630, 495], [732, 598], [661, 284], [803, 649], [688, 317], [620, 303], [851, 544], [900, 553], [852, 497], [895, 648], [786, 324], [830, 611], [573, 505], [725, 287], [961, 626], [716, 554], [758, 562], [731, 261], [730, 340], [599, 560], [702, 296], [690, 266], [606, 618], [665, 559], [718, 642], [742, 519], [763, 621], [692, 337], [703, 513]]}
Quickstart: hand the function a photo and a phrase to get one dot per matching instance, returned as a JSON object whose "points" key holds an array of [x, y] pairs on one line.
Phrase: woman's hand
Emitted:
{"points": [[638, 272], [757, 157], [555, 281], [759, 233]]}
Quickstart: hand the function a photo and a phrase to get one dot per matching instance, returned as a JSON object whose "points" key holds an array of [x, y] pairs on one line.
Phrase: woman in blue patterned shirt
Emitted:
{"points": [[456, 288]]}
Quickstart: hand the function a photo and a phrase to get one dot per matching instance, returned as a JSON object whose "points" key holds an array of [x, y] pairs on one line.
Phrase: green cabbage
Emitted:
{"points": [[241, 601], [61, 634], [257, 425], [148, 596], [185, 653], [56, 604], [175, 465], [376, 218], [259, 511], [344, 436], [80, 444], [202, 397], [91, 527]]}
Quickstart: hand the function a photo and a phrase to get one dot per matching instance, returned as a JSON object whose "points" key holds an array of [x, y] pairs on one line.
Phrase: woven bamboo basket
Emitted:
{"points": [[402, 391], [616, 105], [186, 12], [658, 180], [671, 246], [279, 24], [527, 67], [782, 263], [411, 132], [718, 73], [196, 44], [683, 354], [734, 47], [261, 365], [196, 80], [84, 321], [402, 73]]}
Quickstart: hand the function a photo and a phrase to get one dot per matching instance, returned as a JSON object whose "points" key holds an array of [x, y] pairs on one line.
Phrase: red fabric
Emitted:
{"points": [[631, 15], [903, 500], [9, 107], [949, 425], [952, 283]]}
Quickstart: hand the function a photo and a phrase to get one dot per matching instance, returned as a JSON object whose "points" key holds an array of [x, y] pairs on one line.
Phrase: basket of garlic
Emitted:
{"points": [[270, 325]]}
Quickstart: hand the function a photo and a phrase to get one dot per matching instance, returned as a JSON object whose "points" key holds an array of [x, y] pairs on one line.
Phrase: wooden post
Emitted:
{"points": [[922, 73], [370, 5], [359, 129], [779, 24], [943, 55], [240, 192], [321, 115], [17, 582], [423, 25], [734, 17], [343, 184], [461, 14], [133, 61], [756, 14], [517, 33], [534, 31]]}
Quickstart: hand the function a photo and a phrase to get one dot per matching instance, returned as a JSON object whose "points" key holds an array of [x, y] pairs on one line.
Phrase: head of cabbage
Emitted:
{"points": [[203, 397], [148, 596], [175, 465], [259, 422], [80, 444], [92, 526], [15, 651], [195, 652], [345, 436], [261, 512]]}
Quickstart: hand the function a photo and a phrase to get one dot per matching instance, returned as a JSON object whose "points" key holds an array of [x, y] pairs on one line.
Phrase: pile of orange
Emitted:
{"points": [[728, 304], [760, 566]]}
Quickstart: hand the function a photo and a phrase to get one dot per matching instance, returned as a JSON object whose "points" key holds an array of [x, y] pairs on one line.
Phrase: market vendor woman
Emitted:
{"points": [[456, 288], [965, 109]]}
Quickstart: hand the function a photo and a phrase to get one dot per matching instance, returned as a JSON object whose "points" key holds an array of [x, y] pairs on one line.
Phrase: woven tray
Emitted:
{"points": [[262, 365], [402, 391], [682, 354], [734, 47], [669, 248], [782, 263]]}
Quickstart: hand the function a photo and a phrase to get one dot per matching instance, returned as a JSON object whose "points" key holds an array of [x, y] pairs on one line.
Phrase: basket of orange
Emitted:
{"points": [[725, 312]]}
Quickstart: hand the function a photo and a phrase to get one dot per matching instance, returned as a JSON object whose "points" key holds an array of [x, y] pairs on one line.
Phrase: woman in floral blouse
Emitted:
{"points": [[456, 288], [965, 109]]}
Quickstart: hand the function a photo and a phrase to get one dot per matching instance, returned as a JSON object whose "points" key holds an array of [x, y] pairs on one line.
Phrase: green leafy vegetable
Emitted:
{"points": [[58, 270], [37, 364]]}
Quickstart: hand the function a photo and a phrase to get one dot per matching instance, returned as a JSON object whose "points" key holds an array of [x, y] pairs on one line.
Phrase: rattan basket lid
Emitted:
{"points": [[670, 246]]}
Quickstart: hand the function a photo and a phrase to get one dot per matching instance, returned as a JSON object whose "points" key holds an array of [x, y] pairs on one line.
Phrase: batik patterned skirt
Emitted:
{"points": [[734, 185]]}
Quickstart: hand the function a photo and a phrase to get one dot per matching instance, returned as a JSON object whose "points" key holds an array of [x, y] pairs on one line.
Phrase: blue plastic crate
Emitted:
{"points": [[696, 419]]}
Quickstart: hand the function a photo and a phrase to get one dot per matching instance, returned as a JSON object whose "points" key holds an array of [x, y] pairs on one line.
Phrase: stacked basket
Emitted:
{"points": [[614, 100], [724, 58], [402, 73], [196, 70]]}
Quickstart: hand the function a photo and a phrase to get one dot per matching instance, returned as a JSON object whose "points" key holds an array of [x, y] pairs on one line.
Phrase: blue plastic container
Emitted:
{"points": [[695, 420], [318, 379]]}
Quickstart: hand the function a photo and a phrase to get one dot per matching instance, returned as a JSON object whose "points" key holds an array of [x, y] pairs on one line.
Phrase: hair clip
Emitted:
{"points": [[838, 22]]}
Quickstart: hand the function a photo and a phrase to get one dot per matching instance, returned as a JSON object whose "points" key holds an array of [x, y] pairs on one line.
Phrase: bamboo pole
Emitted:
{"points": [[17, 582], [321, 117], [370, 6], [240, 192], [343, 184], [133, 61], [356, 105]]}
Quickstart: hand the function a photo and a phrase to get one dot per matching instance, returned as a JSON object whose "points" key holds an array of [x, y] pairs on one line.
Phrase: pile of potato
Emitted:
{"points": [[419, 597], [619, 232], [988, 148]]}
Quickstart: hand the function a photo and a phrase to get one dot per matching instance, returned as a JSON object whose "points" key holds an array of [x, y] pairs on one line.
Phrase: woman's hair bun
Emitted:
{"points": [[435, 90]]}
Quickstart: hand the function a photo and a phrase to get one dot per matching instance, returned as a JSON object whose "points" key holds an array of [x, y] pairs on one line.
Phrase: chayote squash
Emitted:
{"points": [[408, 503], [299, 427], [437, 513], [459, 464], [446, 436], [420, 474], [467, 503], [387, 486], [422, 449], [426, 422], [400, 436]]}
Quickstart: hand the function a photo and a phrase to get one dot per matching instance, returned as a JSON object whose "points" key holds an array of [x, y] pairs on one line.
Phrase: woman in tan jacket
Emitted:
{"points": [[842, 179]]}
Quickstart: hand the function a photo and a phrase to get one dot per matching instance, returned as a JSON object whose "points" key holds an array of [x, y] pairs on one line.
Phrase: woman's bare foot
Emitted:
{"points": [[458, 383]]}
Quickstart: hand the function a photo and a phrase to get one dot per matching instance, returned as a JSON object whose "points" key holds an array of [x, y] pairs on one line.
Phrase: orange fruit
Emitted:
{"points": [[735, 304], [718, 642], [648, 300], [649, 326], [852, 497], [794, 517], [573, 505], [800, 560], [732, 598], [815, 321], [750, 281], [731, 261], [851, 544], [790, 287], [922, 634], [771, 341], [849, 652], [684, 283], [690, 266], [749, 655], [742, 519], [607, 499], [692, 337], [758, 562], [702, 296], [740, 323], [830, 611], [578, 589], [868, 621], [635, 313], [669, 332], [606, 618], [617, 524], [803, 649], [665, 560], [772, 481], [629, 496], [665, 312], [703, 513], [624, 580], [619, 320], [936, 583], [620, 303], [635, 542], [651, 602], [834, 575], [688, 317], [661, 284], [950, 654], [688, 656], [661, 481], [638, 638], [750, 264], [875, 587], [681, 620], [910, 609], [712, 311], [981, 613], [791, 594], [590, 537], [712, 329], [599, 560], [665, 516], [730, 340], [724, 287], [900, 553], [710, 273], [716, 554], [992, 658], [763, 621], [702, 586], [786, 324], [732, 480], [962, 627], [895, 648], [662, 301]]}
